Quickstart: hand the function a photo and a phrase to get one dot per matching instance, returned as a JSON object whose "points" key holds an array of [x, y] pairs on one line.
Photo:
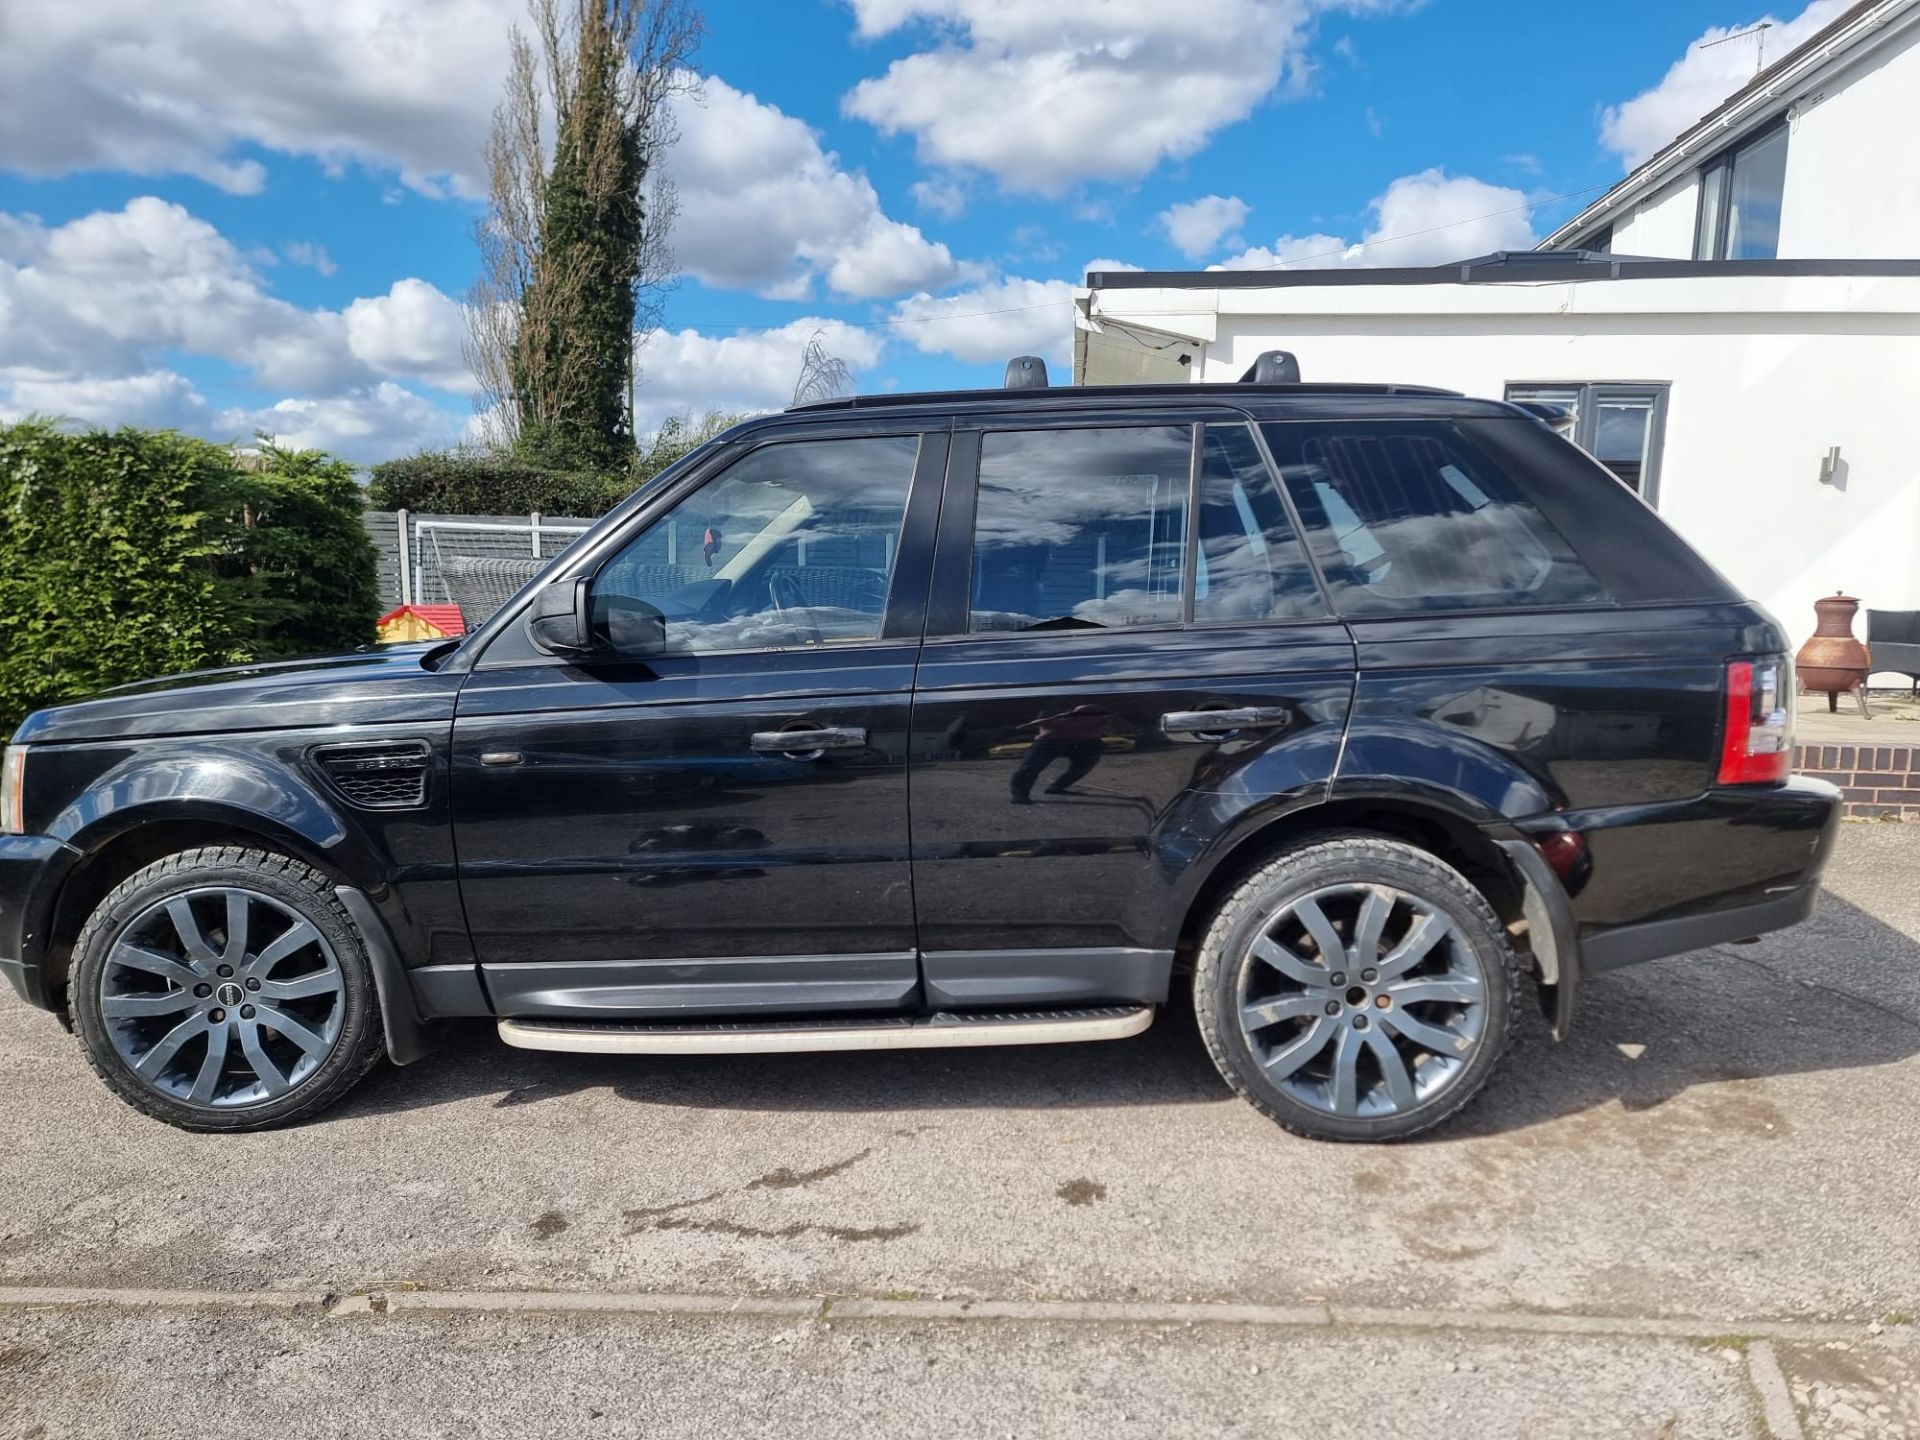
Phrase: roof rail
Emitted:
{"points": [[1026, 372], [1273, 367], [1176, 393]]}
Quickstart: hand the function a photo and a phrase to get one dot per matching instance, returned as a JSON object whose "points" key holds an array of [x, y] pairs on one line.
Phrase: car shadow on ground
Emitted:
{"points": [[1839, 993]]}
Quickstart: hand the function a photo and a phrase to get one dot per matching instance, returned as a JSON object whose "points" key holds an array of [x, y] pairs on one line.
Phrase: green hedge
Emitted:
{"points": [[457, 484], [460, 482], [126, 554]]}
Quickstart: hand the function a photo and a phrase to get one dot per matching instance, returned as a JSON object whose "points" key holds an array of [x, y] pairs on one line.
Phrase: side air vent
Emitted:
{"points": [[384, 776]]}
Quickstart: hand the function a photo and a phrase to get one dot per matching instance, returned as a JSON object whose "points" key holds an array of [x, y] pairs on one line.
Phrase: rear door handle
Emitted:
{"points": [[1200, 724], [803, 742]]}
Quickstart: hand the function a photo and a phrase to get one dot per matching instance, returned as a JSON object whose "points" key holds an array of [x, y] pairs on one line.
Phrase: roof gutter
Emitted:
{"points": [[1712, 130]]}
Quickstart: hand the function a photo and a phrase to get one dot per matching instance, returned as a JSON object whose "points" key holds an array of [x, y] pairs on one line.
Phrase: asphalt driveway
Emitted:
{"points": [[1726, 1150]]}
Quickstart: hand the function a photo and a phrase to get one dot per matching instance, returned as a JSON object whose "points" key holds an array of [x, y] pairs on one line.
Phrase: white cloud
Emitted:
{"points": [[755, 370], [158, 89], [1316, 251], [945, 198], [105, 296], [1442, 218], [1430, 218], [310, 255], [1200, 227], [413, 329], [160, 399], [763, 207], [1701, 79], [365, 426], [1046, 93], [991, 323], [92, 311]]}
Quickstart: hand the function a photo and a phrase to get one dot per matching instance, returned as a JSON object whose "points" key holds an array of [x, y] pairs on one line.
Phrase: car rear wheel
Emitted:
{"points": [[226, 989], [1356, 988]]}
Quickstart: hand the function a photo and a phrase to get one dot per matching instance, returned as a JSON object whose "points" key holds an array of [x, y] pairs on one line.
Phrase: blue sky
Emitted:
{"points": [[228, 216]]}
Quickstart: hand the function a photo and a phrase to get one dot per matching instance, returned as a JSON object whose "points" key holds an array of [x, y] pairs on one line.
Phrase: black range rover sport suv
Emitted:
{"points": [[1366, 711]]}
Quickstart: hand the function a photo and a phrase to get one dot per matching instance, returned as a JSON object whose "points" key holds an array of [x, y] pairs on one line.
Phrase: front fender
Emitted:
{"points": [[211, 784]]}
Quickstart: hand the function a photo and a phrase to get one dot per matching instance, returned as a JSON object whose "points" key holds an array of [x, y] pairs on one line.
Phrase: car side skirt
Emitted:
{"points": [[739, 986], [944, 1031]]}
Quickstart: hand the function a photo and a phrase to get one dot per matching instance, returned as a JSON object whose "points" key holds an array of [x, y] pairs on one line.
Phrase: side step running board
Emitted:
{"points": [[902, 1032]]}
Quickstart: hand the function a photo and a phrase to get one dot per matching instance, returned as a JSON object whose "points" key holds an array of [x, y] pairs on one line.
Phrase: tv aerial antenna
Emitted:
{"points": [[1759, 34]]}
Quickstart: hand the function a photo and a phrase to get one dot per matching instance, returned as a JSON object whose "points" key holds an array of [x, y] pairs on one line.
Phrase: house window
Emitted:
{"points": [[1622, 426], [1740, 190]]}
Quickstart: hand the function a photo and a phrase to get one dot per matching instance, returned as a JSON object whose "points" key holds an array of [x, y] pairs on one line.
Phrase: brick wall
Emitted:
{"points": [[1879, 780]]}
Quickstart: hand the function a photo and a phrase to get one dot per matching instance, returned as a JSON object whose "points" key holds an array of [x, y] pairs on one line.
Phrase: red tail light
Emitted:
{"points": [[1757, 746]]}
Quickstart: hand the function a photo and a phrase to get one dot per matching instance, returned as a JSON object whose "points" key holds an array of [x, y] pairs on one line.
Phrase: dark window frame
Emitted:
{"points": [[1193, 426], [953, 553], [1590, 394], [1717, 171], [1289, 512], [902, 616], [1314, 537]]}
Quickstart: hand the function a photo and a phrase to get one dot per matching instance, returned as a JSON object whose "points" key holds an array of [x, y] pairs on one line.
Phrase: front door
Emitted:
{"points": [[637, 835], [1101, 681]]}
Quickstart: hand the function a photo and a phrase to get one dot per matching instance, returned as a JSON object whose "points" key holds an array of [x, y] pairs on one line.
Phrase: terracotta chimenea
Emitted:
{"points": [[1832, 660]]}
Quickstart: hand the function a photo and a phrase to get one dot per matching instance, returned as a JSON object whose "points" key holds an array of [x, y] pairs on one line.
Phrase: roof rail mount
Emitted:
{"points": [[1026, 372], [1273, 367]]}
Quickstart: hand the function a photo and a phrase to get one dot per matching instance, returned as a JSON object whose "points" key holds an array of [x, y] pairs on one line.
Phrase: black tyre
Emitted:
{"points": [[226, 989], [1356, 988]]}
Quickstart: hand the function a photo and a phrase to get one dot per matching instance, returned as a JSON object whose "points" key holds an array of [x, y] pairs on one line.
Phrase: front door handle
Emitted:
{"points": [[809, 742], [1207, 724]]}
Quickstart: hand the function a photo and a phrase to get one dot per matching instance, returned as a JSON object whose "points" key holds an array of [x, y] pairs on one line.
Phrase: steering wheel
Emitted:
{"points": [[790, 604]]}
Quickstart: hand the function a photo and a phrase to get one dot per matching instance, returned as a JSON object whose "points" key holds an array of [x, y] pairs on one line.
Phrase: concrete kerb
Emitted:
{"points": [[398, 1302]]}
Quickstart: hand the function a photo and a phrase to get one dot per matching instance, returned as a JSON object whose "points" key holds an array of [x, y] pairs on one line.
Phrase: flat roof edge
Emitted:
{"points": [[1540, 271]]}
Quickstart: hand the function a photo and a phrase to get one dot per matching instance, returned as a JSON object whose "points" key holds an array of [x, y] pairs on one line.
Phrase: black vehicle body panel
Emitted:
{"points": [[385, 684], [640, 859], [684, 863]]}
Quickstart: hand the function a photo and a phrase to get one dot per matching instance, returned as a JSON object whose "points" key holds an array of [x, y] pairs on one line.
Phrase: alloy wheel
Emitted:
{"points": [[222, 996], [1361, 1000]]}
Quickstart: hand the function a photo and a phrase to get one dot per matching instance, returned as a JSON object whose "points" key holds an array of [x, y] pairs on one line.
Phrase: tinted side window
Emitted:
{"points": [[1408, 515], [1080, 529], [792, 545], [1251, 565]]}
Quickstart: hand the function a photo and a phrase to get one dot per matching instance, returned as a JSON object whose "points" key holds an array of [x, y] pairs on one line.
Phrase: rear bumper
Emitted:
{"points": [[1662, 879], [1630, 944], [32, 869]]}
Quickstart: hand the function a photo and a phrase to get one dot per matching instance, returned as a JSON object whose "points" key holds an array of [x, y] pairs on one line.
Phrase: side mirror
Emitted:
{"points": [[561, 621]]}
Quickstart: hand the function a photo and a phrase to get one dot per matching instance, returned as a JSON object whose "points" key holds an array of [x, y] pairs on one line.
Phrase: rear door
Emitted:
{"points": [[1097, 669]]}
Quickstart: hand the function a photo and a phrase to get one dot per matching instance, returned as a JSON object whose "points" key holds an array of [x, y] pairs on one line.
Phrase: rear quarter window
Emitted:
{"points": [[1411, 515]]}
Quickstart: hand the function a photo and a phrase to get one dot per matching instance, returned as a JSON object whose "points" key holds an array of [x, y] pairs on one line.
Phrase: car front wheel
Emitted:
{"points": [[1356, 988], [225, 988]]}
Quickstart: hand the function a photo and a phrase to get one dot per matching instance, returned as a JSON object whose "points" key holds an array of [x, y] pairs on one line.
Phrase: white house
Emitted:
{"points": [[1735, 326]]}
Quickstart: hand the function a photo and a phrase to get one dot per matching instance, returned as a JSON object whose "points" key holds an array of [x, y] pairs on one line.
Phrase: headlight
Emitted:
{"points": [[13, 780]]}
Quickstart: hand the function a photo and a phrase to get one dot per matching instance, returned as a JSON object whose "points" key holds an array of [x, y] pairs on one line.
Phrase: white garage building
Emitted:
{"points": [[1735, 326]]}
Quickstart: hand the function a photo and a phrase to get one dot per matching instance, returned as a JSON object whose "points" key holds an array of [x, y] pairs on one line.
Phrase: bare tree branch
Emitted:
{"points": [[823, 375]]}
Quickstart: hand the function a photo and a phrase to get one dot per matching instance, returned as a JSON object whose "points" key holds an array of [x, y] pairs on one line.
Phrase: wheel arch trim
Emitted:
{"points": [[1542, 900]]}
